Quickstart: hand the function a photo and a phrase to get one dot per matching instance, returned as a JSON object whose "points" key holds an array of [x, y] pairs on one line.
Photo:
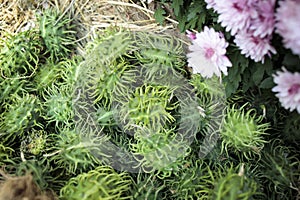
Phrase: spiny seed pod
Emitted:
{"points": [[39, 172], [57, 33], [230, 185], [148, 106], [110, 81], [159, 55], [148, 186], [192, 182], [100, 183], [20, 55], [243, 132], [58, 105], [280, 170], [107, 72], [20, 116], [69, 151], [47, 75], [161, 151]]}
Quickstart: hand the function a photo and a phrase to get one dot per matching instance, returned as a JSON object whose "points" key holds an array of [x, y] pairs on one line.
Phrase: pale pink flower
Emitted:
{"points": [[207, 55], [288, 24], [288, 88], [263, 24], [210, 3], [254, 47], [235, 15], [191, 35]]}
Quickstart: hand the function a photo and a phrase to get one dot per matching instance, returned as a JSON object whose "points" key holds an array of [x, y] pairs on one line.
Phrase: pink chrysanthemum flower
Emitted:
{"points": [[235, 15], [288, 88], [210, 3], [263, 24], [207, 55], [287, 24], [254, 47], [191, 35]]}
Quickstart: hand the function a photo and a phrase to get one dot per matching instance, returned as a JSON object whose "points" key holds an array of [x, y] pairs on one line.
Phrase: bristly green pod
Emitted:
{"points": [[20, 55], [148, 186], [160, 151], [147, 106], [64, 72], [107, 72], [231, 185], [39, 172], [159, 55], [192, 182], [71, 151], [100, 183], [21, 115], [58, 105], [280, 170], [243, 131], [48, 74], [58, 34], [109, 81]]}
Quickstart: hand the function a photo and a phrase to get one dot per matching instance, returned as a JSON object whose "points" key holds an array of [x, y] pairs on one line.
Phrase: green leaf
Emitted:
{"points": [[267, 83], [176, 5], [159, 15], [291, 60], [258, 73], [239, 64]]}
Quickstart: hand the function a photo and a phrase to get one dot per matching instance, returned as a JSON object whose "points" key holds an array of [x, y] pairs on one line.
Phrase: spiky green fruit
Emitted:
{"points": [[280, 170], [71, 151], [58, 105], [230, 185], [148, 186], [21, 115], [192, 182], [243, 132], [147, 106], [20, 55], [100, 183], [160, 151], [57, 32]]}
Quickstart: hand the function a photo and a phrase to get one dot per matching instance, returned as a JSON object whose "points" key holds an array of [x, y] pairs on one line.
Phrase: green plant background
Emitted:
{"points": [[58, 115]]}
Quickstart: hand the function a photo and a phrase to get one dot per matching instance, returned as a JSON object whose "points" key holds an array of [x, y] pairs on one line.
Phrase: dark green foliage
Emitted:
{"points": [[129, 104]]}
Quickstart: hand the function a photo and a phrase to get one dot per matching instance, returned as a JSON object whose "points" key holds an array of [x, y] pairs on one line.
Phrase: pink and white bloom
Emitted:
{"points": [[210, 3], [287, 24], [191, 35], [288, 88], [207, 55], [254, 47], [235, 15], [263, 24]]}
